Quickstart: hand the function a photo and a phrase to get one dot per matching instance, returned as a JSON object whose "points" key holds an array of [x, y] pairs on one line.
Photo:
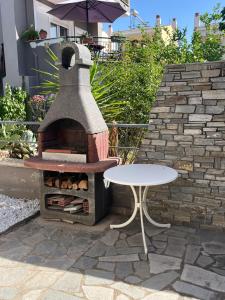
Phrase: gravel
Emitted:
{"points": [[13, 211]]}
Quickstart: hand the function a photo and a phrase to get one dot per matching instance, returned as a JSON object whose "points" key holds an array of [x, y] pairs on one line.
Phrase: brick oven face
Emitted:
{"points": [[69, 135], [64, 134]]}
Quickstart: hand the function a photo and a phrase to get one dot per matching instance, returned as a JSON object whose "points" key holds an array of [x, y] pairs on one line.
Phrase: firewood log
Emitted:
{"points": [[64, 184], [83, 184], [50, 181], [70, 184], [57, 183], [75, 185]]}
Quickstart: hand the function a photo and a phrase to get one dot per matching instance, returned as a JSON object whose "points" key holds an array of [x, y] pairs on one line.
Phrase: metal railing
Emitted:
{"points": [[124, 139], [104, 47]]}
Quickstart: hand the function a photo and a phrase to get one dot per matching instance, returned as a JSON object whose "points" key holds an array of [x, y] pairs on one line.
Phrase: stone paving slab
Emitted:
{"points": [[55, 261]]}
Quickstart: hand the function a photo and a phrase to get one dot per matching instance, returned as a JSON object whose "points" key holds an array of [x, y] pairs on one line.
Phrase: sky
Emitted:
{"points": [[183, 10]]}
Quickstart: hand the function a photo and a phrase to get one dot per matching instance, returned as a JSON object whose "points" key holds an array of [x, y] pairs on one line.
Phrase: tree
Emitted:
{"points": [[222, 22]]}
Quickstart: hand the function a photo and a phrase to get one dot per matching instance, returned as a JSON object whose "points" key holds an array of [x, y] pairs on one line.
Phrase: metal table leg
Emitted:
{"points": [[140, 203], [136, 206], [146, 212]]}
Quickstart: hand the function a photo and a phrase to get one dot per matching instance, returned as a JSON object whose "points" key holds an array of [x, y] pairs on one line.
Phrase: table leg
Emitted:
{"points": [[142, 221], [136, 206], [146, 212]]}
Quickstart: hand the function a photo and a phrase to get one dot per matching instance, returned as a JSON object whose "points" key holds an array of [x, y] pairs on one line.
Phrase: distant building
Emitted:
{"points": [[135, 34]]}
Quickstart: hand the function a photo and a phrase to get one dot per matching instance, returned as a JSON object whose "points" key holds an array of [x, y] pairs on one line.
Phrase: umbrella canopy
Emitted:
{"points": [[89, 11]]}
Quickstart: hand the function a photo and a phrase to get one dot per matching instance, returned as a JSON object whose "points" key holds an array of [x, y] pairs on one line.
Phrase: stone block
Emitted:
{"points": [[153, 135], [213, 148], [172, 144], [155, 155], [193, 290], [218, 86], [176, 83], [210, 102], [211, 73], [195, 100], [192, 74], [185, 109], [180, 88], [219, 220], [203, 278], [215, 124], [192, 131], [200, 118], [164, 89], [168, 131], [189, 93], [159, 109], [184, 138], [214, 94], [168, 77], [183, 165], [162, 263], [196, 67], [158, 143], [214, 109], [218, 79], [172, 126], [170, 116], [203, 142]]}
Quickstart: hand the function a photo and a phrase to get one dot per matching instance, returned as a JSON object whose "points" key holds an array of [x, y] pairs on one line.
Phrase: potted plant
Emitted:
{"points": [[30, 34], [117, 38], [86, 38]]}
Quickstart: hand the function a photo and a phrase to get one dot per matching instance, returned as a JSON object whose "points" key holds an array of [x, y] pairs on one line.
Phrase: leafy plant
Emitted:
{"points": [[102, 89], [12, 107], [222, 22], [30, 34], [50, 84]]}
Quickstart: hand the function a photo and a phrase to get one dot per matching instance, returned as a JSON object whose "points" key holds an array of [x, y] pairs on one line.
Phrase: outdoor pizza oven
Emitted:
{"points": [[73, 146], [74, 124]]}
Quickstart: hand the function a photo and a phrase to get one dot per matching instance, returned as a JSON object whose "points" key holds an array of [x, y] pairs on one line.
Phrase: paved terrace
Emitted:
{"points": [[58, 261]]}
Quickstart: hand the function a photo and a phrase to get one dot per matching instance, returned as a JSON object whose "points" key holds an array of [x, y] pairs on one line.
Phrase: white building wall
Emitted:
{"points": [[10, 38], [43, 20]]}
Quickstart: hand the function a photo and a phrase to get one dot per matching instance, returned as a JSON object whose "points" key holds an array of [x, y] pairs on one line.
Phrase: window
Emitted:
{"points": [[57, 31], [53, 31], [63, 31]]}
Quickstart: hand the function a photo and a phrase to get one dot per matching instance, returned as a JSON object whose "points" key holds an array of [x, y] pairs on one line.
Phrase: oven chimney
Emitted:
{"points": [[197, 21], [174, 24], [158, 21]]}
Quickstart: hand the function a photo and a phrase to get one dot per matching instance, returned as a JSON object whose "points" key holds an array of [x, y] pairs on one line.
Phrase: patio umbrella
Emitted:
{"points": [[89, 11]]}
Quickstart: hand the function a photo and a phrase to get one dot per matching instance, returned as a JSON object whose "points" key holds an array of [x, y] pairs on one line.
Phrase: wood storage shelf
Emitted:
{"points": [[97, 195]]}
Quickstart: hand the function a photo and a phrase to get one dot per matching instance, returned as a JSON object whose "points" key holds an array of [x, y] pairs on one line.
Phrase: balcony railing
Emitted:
{"points": [[104, 47]]}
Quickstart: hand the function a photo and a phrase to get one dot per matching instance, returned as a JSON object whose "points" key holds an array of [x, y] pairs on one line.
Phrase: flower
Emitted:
{"points": [[38, 99]]}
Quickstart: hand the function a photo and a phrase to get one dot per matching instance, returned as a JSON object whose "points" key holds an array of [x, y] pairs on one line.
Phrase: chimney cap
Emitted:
{"points": [[197, 14], [158, 17], [174, 19]]}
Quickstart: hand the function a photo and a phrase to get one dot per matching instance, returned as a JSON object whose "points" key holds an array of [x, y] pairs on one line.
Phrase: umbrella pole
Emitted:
{"points": [[87, 16]]}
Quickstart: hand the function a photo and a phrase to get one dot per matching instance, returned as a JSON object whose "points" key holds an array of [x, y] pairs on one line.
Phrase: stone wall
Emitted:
{"points": [[187, 132]]}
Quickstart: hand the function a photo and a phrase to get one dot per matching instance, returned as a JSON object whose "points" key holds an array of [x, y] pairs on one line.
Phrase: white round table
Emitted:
{"points": [[141, 176]]}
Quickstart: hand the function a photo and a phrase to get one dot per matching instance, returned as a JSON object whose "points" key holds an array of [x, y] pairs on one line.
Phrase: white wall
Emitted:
{"points": [[10, 38], [43, 20]]}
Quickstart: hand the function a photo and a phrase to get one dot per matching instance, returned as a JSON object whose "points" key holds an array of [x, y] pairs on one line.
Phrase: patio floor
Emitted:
{"points": [[58, 261]]}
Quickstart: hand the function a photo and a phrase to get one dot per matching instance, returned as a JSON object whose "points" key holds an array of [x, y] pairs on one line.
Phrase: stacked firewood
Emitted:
{"points": [[67, 182]]}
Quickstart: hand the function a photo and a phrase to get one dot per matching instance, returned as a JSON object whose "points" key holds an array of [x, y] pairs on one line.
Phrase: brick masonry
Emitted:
{"points": [[187, 132]]}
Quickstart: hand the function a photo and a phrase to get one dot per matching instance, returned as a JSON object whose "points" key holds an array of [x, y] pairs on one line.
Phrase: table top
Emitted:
{"points": [[141, 175]]}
